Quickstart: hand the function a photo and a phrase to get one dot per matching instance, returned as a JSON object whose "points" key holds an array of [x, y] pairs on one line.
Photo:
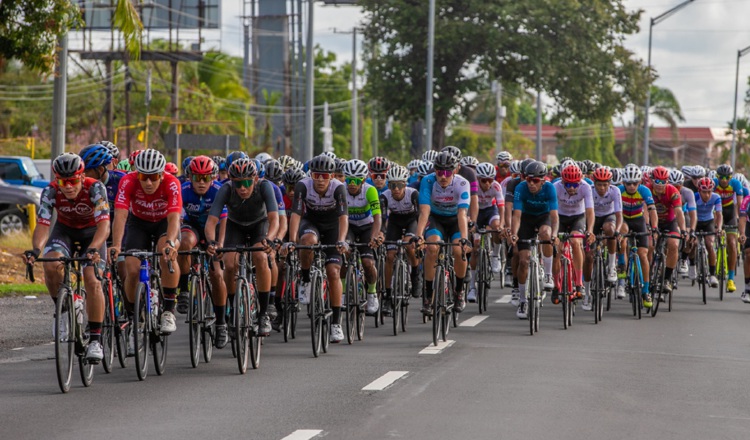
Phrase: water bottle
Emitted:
{"points": [[154, 302], [78, 304]]}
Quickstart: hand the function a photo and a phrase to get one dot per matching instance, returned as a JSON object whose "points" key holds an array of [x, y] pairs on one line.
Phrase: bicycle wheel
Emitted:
{"points": [[397, 286], [604, 290], [287, 303], [361, 303], [595, 290], [64, 337], [351, 304], [721, 261], [255, 340], [108, 327], [702, 271], [208, 322], [657, 284], [142, 331], [121, 327], [326, 316], [380, 285], [487, 278], [316, 313], [480, 274], [438, 287], [531, 287], [241, 320], [194, 318], [159, 349], [565, 293]]}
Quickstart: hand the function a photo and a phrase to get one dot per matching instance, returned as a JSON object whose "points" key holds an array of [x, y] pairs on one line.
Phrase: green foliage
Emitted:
{"points": [[593, 141], [126, 19], [742, 142]]}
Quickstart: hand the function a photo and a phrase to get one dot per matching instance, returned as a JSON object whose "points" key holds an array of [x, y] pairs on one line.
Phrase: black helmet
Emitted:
{"points": [[524, 164], [535, 169], [725, 170], [292, 176], [67, 165], [446, 160], [243, 168], [322, 164], [379, 164], [453, 150], [340, 165], [273, 171]]}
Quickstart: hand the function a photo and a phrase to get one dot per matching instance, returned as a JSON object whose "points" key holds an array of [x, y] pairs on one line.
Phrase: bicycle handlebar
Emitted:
{"points": [[64, 260]]}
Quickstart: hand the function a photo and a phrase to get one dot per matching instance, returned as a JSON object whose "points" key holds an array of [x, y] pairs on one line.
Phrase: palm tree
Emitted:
{"points": [[127, 20]]}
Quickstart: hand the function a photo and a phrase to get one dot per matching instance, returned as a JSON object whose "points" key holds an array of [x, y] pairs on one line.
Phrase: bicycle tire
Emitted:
{"points": [[315, 317], [595, 293], [159, 350], [437, 288], [604, 290], [208, 324], [721, 261], [565, 294], [447, 315], [254, 338], [380, 284], [530, 294], [108, 327], [241, 322], [287, 303], [325, 301], [396, 295], [194, 319], [122, 330], [361, 314], [702, 271], [64, 330], [351, 305], [142, 330], [480, 279], [657, 285], [487, 278], [404, 312]]}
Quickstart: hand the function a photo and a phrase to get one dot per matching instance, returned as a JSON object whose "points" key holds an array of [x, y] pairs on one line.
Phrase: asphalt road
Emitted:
{"points": [[680, 375]]}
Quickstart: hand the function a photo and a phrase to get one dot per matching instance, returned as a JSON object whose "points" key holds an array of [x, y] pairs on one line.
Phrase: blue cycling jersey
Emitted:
{"points": [[380, 190], [544, 201], [279, 198], [444, 201], [113, 182], [706, 209], [412, 179], [196, 208]]}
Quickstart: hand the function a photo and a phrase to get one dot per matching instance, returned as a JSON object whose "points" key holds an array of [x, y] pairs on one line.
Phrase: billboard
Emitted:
{"points": [[156, 14]]}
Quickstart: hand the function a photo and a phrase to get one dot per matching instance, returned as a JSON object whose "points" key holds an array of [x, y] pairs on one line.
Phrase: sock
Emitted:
{"points": [[221, 314], [587, 284], [264, 298], [459, 285], [621, 281], [712, 271], [277, 302], [129, 306], [305, 275], [646, 287], [495, 249], [472, 277], [621, 259], [371, 288], [414, 272], [547, 262], [95, 331], [731, 275], [428, 291], [684, 255], [170, 295], [522, 291], [336, 317], [515, 282], [273, 292], [691, 261], [611, 261], [183, 283], [747, 284], [668, 273], [388, 291]]}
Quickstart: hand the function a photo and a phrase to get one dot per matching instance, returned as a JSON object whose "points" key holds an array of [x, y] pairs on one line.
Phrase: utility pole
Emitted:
{"points": [[60, 98], [355, 121], [326, 129], [108, 98], [539, 125], [128, 84], [497, 87], [176, 108], [430, 66], [309, 100], [740, 54]]}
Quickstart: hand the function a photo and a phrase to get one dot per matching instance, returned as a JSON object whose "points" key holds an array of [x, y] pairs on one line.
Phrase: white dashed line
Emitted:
{"points": [[505, 299], [17, 348], [431, 349], [473, 321], [303, 434], [385, 380]]}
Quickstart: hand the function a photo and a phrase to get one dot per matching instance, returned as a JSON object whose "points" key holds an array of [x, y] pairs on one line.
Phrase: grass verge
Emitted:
{"points": [[22, 289]]}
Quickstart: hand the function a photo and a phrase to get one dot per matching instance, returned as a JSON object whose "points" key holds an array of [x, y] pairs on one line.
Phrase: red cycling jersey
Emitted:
{"points": [[86, 210], [666, 203], [167, 199]]}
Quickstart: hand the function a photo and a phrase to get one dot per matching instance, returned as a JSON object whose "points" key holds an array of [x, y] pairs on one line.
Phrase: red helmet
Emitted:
{"points": [[132, 157], [171, 168], [572, 174], [202, 165], [706, 184], [603, 174], [660, 173]]}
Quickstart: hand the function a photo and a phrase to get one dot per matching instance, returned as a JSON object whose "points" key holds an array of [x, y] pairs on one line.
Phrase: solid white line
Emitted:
{"points": [[17, 348], [505, 299], [473, 321], [431, 349], [383, 381], [303, 434]]}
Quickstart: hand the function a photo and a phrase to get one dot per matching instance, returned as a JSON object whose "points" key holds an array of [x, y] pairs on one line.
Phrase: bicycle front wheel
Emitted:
{"points": [[351, 304], [438, 287], [108, 327], [565, 293], [397, 293], [241, 320], [316, 313], [195, 316], [64, 337], [256, 341], [208, 322], [142, 331]]}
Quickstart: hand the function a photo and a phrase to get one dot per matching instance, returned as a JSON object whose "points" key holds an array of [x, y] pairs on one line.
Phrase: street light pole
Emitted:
{"points": [[430, 64], [740, 54], [654, 22], [307, 152]]}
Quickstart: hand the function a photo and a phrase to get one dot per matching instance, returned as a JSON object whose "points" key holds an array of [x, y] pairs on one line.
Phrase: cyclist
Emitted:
{"points": [[511, 273], [471, 177], [252, 219], [677, 179], [470, 161], [730, 191], [274, 167], [378, 167], [423, 169], [503, 160], [82, 219], [401, 204], [114, 152], [221, 162], [412, 167], [339, 173], [149, 205], [185, 176], [745, 231], [709, 216], [534, 212], [491, 206], [320, 215], [97, 159], [444, 199], [608, 220]]}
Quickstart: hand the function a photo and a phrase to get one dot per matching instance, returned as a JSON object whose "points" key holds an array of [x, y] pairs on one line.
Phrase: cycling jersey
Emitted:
{"points": [[510, 189], [379, 190], [444, 201], [666, 204], [544, 201], [281, 206], [494, 196], [609, 203], [632, 204], [195, 207], [408, 206], [245, 212], [471, 177], [688, 199], [88, 208], [706, 209], [728, 193], [363, 206], [325, 209], [167, 199], [500, 179], [573, 204], [414, 178], [112, 183]]}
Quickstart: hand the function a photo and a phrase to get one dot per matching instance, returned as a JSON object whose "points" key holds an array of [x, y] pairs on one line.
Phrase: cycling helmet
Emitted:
{"points": [[429, 155], [616, 176], [583, 166], [285, 161], [646, 170], [150, 162], [425, 167], [602, 174], [186, 164], [486, 170], [470, 161], [446, 160], [660, 173], [724, 170], [330, 154], [590, 166], [243, 168], [340, 163], [260, 167], [95, 156], [355, 168], [322, 164], [413, 164], [706, 184], [202, 165], [124, 165], [556, 171], [698, 171], [632, 173], [525, 163], [572, 174], [515, 167], [378, 164], [454, 151], [263, 157], [132, 157], [113, 150], [567, 162], [503, 156], [741, 178], [676, 177], [536, 169], [292, 176], [67, 165], [273, 171], [712, 174], [234, 155], [220, 162], [687, 170], [171, 168], [398, 174], [565, 159]]}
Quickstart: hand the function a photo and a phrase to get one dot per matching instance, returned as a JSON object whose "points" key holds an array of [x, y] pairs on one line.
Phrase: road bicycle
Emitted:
{"points": [[534, 284], [634, 272], [484, 268], [701, 259], [200, 319], [443, 309], [658, 267], [721, 258], [355, 295], [400, 285], [566, 278], [289, 302], [116, 326], [600, 287]]}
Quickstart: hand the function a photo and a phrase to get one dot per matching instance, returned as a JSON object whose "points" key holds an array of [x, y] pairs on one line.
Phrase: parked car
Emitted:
{"points": [[21, 170], [14, 201]]}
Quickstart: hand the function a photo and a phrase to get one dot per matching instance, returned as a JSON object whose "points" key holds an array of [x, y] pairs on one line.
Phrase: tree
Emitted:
{"points": [[574, 52], [742, 144], [593, 141]]}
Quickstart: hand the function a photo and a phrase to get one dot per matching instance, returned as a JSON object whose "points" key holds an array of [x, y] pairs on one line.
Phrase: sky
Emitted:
{"points": [[694, 51]]}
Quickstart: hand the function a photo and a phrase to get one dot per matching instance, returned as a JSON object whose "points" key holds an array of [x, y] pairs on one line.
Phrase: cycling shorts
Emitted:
{"points": [[63, 239], [728, 216], [487, 216], [143, 234], [638, 225], [600, 221], [443, 227], [239, 235], [705, 226], [397, 229], [573, 223], [361, 234], [326, 235], [530, 225]]}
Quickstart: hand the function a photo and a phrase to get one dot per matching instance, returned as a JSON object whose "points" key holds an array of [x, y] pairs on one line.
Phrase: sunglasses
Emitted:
{"points": [[202, 178], [318, 176], [660, 182], [503, 165], [571, 185], [242, 183], [533, 179], [485, 180], [354, 181], [69, 181], [396, 185], [152, 177], [632, 183], [443, 173], [380, 176], [724, 177]]}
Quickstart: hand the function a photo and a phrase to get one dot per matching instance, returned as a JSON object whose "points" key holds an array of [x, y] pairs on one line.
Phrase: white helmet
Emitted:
{"points": [[676, 177], [469, 161], [425, 167], [503, 156], [616, 176], [429, 155], [486, 170], [330, 154], [413, 164], [632, 173], [355, 168], [698, 171], [263, 157], [398, 174], [646, 171], [150, 162], [515, 167]]}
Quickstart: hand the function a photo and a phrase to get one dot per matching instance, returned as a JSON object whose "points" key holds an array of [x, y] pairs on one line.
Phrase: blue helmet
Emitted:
{"points": [[234, 156], [95, 156], [261, 168], [186, 164]]}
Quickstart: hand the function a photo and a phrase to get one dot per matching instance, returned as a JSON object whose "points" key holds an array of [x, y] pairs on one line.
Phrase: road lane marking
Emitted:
{"points": [[473, 321], [384, 381], [442, 345], [505, 299], [17, 348], [303, 434]]}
